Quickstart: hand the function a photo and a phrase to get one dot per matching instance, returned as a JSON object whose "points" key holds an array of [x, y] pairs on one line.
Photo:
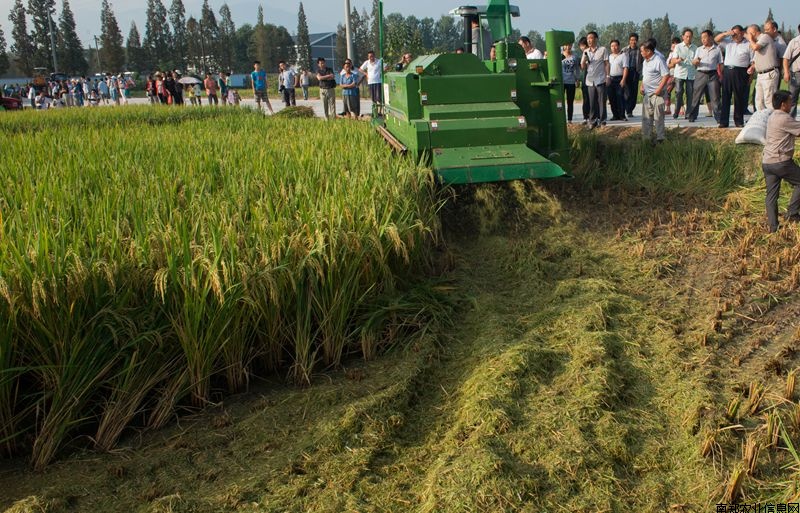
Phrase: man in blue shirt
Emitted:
{"points": [[259, 79]]}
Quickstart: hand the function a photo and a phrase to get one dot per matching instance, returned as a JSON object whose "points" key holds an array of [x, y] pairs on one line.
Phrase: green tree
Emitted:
{"points": [[303, 41], [646, 31], [257, 49], [22, 46], [770, 16], [157, 37], [241, 45], [280, 46], [359, 23], [112, 54], [193, 48], [40, 12], [447, 35], [70, 49], [135, 52], [177, 19], [209, 31], [225, 38], [4, 62], [710, 26], [664, 31], [374, 28]]}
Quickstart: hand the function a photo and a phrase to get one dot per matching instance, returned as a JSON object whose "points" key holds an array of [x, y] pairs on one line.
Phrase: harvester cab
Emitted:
{"points": [[477, 117]]}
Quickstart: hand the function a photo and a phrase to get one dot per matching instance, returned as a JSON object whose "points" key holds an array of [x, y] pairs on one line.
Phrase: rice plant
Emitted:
{"points": [[151, 256]]}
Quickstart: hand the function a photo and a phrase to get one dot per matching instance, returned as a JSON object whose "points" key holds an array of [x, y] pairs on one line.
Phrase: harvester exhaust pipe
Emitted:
{"points": [[467, 13]]}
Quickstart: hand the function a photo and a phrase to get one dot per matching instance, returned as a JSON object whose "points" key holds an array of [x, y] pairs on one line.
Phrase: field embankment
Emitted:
{"points": [[626, 342]]}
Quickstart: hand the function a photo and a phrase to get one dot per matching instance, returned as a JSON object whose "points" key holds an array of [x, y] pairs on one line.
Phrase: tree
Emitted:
{"points": [[359, 24], [646, 31], [664, 31], [447, 35], [193, 52], [112, 54], [257, 50], [225, 38], [134, 51], [157, 37], [303, 40], [770, 17], [375, 37], [22, 47], [710, 26], [70, 49], [241, 47], [177, 19], [209, 32], [40, 12], [4, 63]]}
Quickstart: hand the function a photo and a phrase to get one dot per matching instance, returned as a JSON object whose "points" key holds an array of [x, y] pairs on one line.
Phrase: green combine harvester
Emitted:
{"points": [[476, 119]]}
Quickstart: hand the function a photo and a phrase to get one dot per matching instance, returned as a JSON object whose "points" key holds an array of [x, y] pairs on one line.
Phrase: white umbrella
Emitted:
{"points": [[189, 80]]}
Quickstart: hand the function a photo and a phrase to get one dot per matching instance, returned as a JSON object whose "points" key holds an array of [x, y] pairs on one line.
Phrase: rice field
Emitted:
{"points": [[151, 259]]}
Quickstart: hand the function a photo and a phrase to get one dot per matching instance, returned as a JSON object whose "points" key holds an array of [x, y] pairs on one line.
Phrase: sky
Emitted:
{"points": [[324, 15]]}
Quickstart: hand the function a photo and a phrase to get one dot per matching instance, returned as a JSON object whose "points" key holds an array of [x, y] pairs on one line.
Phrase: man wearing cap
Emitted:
{"points": [[735, 83], [791, 69]]}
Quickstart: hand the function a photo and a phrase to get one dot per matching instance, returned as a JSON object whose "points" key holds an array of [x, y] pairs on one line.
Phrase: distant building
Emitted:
{"points": [[323, 45]]}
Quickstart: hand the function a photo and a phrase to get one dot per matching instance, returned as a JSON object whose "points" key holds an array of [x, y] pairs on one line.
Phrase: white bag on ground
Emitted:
{"points": [[755, 131]]}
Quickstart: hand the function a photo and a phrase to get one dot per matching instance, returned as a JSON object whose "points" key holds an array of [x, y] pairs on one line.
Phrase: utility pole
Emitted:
{"points": [[348, 33], [97, 54], [52, 40]]}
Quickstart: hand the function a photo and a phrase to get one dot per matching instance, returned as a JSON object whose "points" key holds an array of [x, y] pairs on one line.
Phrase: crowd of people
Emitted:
{"points": [[75, 92], [720, 72]]}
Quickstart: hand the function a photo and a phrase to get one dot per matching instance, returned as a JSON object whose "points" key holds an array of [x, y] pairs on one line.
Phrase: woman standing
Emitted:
{"points": [[569, 70]]}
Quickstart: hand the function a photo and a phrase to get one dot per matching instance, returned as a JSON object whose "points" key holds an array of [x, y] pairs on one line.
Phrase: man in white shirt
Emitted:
{"points": [[618, 71], [530, 51], [684, 72], [765, 59], [374, 69], [708, 61], [737, 68], [791, 69], [596, 68], [655, 75]]}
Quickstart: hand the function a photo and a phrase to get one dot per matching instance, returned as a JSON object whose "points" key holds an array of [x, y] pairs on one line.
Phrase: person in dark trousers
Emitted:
{"points": [[735, 75], [777, 162], [583, 44], [570, 70], [631, 89], [708, 61]]}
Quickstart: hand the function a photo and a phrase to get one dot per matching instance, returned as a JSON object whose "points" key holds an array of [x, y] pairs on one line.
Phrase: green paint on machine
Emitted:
{"points": [[482, 120]]}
